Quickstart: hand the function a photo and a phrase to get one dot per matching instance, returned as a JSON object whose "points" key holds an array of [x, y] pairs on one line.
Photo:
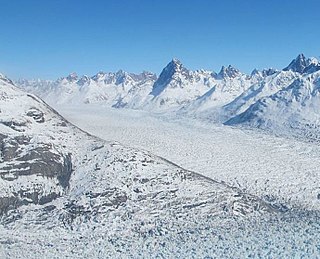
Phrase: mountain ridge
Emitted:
{"points": [[205, 94]]}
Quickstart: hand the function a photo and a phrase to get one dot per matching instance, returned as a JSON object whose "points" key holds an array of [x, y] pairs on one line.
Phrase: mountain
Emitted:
{"points": [[106, 88], [267, 85], [227, 96], [228, 72], [177, 86], [291, 110], [301, 64], [269, 82], [60, 185], [228, 84]]}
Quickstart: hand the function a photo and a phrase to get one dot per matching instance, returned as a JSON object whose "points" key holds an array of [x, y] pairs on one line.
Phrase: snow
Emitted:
{"points": [[115, 195], [261, 164], [292, 111], [165, 180]]}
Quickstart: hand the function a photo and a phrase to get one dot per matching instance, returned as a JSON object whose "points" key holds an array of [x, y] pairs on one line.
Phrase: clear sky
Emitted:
{"points": [[51, 38]]}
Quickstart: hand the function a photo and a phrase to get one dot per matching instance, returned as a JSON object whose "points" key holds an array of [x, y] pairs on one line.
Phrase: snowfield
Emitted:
{"points": [[283, 169]]}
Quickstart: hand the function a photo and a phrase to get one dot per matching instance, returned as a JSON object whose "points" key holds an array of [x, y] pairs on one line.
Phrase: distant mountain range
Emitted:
{"points": [[260, 99]]}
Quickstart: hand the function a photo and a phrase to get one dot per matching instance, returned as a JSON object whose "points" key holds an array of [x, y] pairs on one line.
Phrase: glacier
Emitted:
{"points": [[184, 164]]}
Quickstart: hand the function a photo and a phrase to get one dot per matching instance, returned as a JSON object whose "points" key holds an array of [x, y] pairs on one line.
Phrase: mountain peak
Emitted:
{"points": [[229, 72], [176, 61], [301, 64], [84, 80], [173, 68], [255, 72], [72, 77], [174, 65], [100, 76], [298, 64]]}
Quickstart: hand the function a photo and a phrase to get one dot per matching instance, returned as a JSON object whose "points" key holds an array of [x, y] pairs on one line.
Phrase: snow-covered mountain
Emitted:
{"points": [[287, 103], [176, 86], [220, 97], [106, 88], [226, 86], [266, 86], [302, 65], [294, 109]]}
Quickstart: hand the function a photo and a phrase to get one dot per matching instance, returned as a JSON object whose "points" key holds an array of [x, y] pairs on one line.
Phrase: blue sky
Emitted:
{"points": [[49, 39]]}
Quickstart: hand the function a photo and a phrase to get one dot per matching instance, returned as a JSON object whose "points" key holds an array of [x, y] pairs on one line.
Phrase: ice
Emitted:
{"points": [[266, 165]]}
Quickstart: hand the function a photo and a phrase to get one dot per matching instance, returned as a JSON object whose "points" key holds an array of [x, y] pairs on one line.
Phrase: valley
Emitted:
{"points": [[285, 169]]}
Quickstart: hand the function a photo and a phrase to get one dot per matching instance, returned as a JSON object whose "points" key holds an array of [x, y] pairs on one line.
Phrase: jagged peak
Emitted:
{"points": [[173, 68], [99, 76], [313, 60], [83, 80], [264, 72], [298, 64], [229, 72], [301, 56], [301, 64], [72, 76], [144, 75], [269, 71], [174, 65], [121, 72], [176, 61], [255, 72]]}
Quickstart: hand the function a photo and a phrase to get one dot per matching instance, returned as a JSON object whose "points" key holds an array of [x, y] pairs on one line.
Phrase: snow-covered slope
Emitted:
{"points": [[285, 102], [293, 110], [65, 193], [266, 86], [228, 84], [196, 91]]}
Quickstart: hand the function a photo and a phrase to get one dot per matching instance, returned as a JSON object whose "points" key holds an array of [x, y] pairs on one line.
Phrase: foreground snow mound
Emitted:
{"points": [[292, 110]]}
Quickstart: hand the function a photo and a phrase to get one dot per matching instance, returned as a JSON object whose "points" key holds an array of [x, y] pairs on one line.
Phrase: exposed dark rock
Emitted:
{"points": [[228, 72], [21, 158], [37, 115], [8, 203], [17, 126]]}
